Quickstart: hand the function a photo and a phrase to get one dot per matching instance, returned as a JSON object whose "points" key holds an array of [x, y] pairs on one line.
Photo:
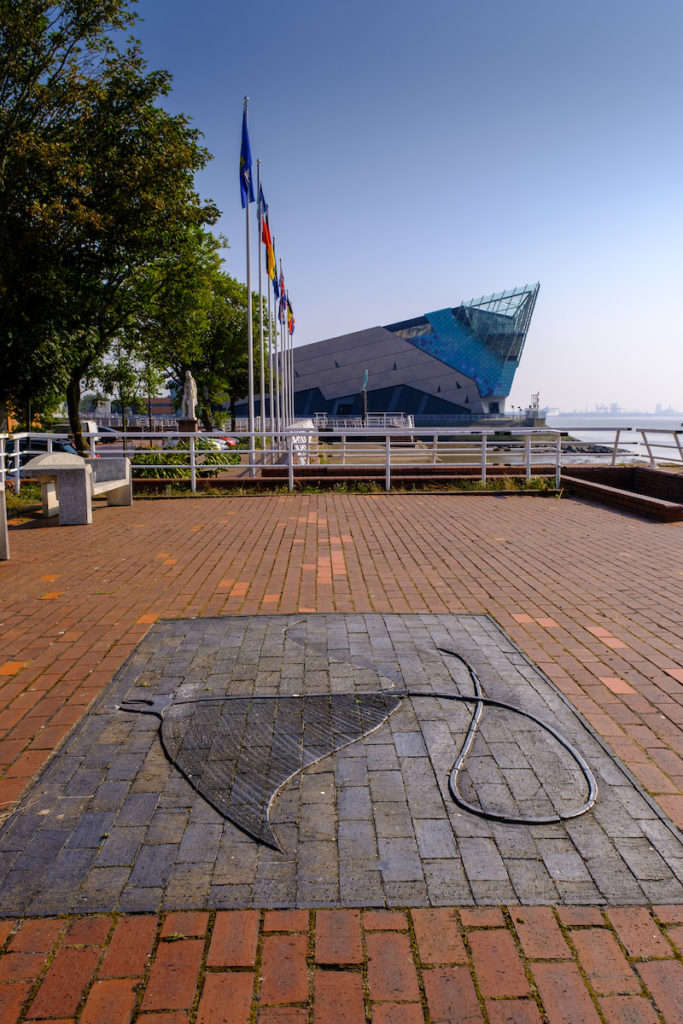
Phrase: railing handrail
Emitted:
{"points": [[386, 447]]}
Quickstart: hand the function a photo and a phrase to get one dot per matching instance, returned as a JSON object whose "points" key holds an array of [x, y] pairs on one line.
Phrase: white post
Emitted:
{"points": [[290, 460], [614, 449], [678, 443], [387, 473], [527, 456], [17, 468], [4, 536], [558, 460], [483, 457], [653, 461], [193, 465]]}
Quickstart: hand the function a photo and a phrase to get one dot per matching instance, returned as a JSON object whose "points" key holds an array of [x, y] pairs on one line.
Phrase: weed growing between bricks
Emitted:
{"points": [[416, 965]]}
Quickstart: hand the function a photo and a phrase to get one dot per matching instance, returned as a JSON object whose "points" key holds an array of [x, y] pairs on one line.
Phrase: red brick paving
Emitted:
{"points": [[608, 630]]}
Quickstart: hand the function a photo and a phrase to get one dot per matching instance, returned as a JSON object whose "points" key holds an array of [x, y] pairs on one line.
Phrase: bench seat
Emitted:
{"points": [[68, 484]]}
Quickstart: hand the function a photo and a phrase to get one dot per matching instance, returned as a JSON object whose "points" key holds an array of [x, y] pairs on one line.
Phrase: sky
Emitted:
{"points": [[416, 155]]}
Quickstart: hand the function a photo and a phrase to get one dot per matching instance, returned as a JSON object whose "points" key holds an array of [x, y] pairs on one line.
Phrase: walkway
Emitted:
{"points": [[592, 598]]}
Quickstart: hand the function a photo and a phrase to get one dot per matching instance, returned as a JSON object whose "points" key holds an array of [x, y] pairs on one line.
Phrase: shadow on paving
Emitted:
{"points": [[366, 818]]}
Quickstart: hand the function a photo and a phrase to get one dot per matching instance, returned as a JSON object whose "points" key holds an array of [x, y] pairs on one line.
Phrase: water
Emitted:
{"points": [[636, 421], [601, 430]]}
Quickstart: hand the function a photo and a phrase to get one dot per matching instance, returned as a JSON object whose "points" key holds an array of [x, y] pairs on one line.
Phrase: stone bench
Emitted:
{"points": [[4, 537], [68, 484]]}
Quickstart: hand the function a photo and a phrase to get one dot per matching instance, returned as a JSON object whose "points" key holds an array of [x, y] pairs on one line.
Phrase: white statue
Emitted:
{"points": [[187, 409]]}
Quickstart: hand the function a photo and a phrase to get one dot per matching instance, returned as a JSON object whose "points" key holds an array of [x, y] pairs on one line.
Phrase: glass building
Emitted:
{"points": [[456, 361]]}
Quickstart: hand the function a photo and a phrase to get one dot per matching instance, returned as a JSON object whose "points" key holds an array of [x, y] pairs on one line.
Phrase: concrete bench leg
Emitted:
{"points": [[48, 493], [75, 505], [4, 538], [122, 495]]}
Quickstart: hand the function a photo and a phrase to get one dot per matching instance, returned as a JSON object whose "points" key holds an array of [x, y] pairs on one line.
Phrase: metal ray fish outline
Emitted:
{"points": [[257, 791]]}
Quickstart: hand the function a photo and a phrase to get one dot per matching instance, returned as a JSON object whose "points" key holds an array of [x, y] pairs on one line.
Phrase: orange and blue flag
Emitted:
{"points": [[276, 283], [266, 236]]}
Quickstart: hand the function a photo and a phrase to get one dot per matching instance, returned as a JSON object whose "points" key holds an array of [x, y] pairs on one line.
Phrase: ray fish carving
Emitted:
{"points": [[238, 752]]}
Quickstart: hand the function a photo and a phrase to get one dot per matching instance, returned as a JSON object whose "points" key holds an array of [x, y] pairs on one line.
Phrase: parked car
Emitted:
{"points": [[108, 435], [221, 444], [31, 446]]}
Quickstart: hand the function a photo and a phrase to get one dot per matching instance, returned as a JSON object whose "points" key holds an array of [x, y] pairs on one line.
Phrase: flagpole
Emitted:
{"points": [[288, 337], [289, 380], [291, 369], [289, 383], [276, 362], [283, 359], [291, 360], [260, 314], [271, 420], [250, 326]]}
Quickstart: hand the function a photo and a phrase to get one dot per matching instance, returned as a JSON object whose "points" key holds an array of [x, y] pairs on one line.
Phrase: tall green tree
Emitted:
{"points": [[96, 188], [198, 322]]}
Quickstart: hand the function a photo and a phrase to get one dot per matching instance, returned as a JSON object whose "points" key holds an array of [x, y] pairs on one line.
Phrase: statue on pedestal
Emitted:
{"points": [[189, 406]]}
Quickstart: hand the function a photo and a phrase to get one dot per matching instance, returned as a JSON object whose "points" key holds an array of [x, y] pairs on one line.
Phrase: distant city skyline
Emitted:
{"points": [[416, 157], [616, 410]]}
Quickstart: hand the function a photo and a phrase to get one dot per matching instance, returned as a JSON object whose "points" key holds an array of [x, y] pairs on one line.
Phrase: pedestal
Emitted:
{"points": [[187, 426]]}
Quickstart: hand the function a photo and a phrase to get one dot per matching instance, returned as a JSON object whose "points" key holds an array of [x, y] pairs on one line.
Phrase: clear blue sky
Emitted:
{"points": [[416, 155]]}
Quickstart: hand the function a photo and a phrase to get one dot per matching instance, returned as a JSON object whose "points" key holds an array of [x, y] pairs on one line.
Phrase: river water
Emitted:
{"points": [[601, 430]]}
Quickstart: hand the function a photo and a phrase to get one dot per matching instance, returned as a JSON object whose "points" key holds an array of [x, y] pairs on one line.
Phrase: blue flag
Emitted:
{"points": [[246, 183]]}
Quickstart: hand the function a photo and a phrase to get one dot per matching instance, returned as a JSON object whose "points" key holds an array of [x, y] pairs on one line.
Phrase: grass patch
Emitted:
{"points": [[28, 500]]}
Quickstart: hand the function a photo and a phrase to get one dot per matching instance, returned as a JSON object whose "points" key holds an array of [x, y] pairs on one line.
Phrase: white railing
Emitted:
{"points": [[653, 445], [382, 419], [15, 449], [384, 450], [479, 450]]}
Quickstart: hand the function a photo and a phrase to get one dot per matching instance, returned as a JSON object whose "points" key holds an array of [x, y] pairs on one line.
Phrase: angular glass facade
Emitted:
{"points": [[454, 362], [483, 338]]}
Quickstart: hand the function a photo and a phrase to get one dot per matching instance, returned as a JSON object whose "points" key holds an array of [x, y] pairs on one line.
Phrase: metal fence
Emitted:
{"points": [[527, 452]]}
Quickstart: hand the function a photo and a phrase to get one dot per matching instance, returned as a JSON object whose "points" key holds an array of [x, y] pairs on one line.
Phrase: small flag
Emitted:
{"points": [[262, 204], [290, 316], [276, 284], [246, 184], [266, 236]]}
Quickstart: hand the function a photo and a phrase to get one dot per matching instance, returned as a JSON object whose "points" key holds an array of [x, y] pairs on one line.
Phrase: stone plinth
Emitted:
{"points": [[187, 426]]}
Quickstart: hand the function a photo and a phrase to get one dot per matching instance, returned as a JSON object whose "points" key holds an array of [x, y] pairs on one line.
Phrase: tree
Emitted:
{"points": [[96, 188], [42, 65], [198, 322]]}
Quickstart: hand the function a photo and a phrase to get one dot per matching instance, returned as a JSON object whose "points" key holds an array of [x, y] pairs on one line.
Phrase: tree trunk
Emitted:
{"points": [[233, 415], [205, 416], [73, 401]]}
